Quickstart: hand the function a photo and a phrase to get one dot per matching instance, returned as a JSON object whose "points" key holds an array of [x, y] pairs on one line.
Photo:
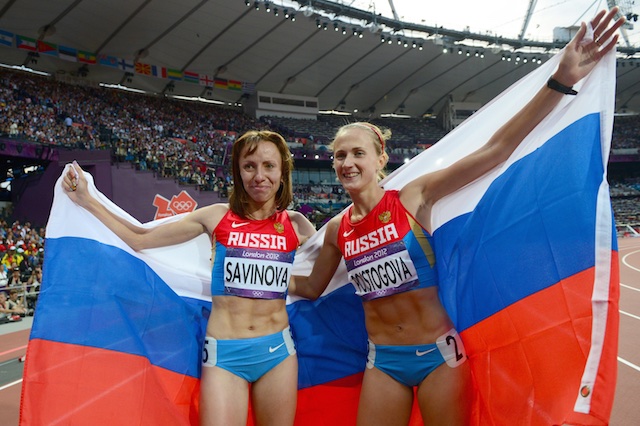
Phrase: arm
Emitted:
{"points": [[325, 266], [30, 290], [138, 238], [21, 301], [578, 60], [14, 307], [304, 229]]}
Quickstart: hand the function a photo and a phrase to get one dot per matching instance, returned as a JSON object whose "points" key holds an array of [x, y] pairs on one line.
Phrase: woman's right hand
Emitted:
{"points": [[75, 184]]}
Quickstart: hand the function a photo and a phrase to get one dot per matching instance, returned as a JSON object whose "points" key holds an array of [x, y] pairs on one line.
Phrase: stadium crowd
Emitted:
{"points": [[191, 143], [21, 259], [185, 140], [625, 198], [625, 132]]}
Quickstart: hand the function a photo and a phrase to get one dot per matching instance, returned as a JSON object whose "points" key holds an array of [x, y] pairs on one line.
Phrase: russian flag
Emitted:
{"points": [[527, 259]]}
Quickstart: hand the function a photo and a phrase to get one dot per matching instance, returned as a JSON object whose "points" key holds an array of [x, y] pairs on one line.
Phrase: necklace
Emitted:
{"points": [[250, 216]]}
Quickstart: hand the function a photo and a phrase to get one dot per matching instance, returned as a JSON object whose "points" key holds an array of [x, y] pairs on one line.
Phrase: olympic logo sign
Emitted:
{"points": [[181, 203]]}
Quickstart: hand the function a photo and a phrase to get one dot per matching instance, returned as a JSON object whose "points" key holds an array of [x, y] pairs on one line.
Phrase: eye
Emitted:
{"points": [[339, 156], [359, 153]]}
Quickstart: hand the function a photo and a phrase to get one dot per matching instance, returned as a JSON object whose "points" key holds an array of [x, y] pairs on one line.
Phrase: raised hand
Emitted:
{"points": [[74, 183], [582, 54]]}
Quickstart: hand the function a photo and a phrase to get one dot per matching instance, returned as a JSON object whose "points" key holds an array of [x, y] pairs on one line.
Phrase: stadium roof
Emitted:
{"points": [[242, 47]]}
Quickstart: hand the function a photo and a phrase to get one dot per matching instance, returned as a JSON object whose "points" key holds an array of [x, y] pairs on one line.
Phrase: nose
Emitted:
{"points": [[348, 160], [260, 174]]}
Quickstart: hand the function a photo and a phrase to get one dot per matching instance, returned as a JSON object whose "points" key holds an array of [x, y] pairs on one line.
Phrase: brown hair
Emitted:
{"points": [[239, 199], [379, 137]]}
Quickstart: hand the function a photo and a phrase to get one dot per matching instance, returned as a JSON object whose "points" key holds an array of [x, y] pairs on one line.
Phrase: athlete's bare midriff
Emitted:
{"points": [[409, 318], [235, 317]]}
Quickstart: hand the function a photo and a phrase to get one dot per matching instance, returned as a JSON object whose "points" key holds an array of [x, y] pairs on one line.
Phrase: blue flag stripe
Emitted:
{"points": [[116, 302], [522, 236]]}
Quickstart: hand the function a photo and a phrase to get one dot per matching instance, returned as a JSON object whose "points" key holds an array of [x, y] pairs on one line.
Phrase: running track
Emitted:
{"points": [[626, 407]]}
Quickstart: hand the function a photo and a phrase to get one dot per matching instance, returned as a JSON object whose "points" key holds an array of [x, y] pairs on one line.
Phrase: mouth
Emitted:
{"points": [[350, 175], [260, 188]]}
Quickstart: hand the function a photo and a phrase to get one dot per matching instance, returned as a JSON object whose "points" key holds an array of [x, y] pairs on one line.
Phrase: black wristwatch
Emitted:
{"points": [[553, 84]]}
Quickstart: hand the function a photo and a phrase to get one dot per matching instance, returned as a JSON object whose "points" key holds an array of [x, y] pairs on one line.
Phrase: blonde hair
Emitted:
{"points": [[379, 137]]}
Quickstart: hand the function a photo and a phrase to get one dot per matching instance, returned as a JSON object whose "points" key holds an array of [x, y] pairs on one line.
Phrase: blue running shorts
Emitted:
{"points": [[411, 364], [248, 358]]}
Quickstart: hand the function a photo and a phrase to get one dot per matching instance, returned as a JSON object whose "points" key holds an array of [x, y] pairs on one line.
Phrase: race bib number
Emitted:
{"points": [[257, 273], [382, 272]]}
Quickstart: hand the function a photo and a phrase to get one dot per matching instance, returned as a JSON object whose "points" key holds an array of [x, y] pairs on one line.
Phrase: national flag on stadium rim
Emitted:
{"points": [[234, 85], [6, 38], [26, 43], [527, 261], [108, 61], [191, 77], [125, 64], [87, 57], [174, 74], [220, 83], [67, 53], [206, 80], [142, 68], [47, 48], [160, 72], [248, 87]]}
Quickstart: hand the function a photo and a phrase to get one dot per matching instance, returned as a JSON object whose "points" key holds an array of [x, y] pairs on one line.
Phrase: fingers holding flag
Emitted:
{"points": [[592, 42]]}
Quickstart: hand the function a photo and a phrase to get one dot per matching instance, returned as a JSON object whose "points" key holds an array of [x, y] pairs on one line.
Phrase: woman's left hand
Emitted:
{"points": [[581, 55]]}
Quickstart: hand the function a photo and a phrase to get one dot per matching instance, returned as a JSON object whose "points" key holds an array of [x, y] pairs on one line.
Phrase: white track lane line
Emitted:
{"points": [[622, 360], [8, 385], [629, 364], [624, 260], [630, 315], [629, 287]]}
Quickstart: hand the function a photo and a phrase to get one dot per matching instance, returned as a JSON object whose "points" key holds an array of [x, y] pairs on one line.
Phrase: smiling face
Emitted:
{"points": [[356, 160], [261, 172], [272, 149]]}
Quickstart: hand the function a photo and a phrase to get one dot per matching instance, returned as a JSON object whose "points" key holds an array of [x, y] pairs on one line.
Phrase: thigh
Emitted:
{"points": [[224, 398], [383, 400], [445, 395], [274, 395]]}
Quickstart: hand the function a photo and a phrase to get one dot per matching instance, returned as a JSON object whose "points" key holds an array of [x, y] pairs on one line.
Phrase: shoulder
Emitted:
{"points": [[336, 220], [415, 194], [303, 227], [209, 216], [212, 210], [295, 216], [332, 228]]}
